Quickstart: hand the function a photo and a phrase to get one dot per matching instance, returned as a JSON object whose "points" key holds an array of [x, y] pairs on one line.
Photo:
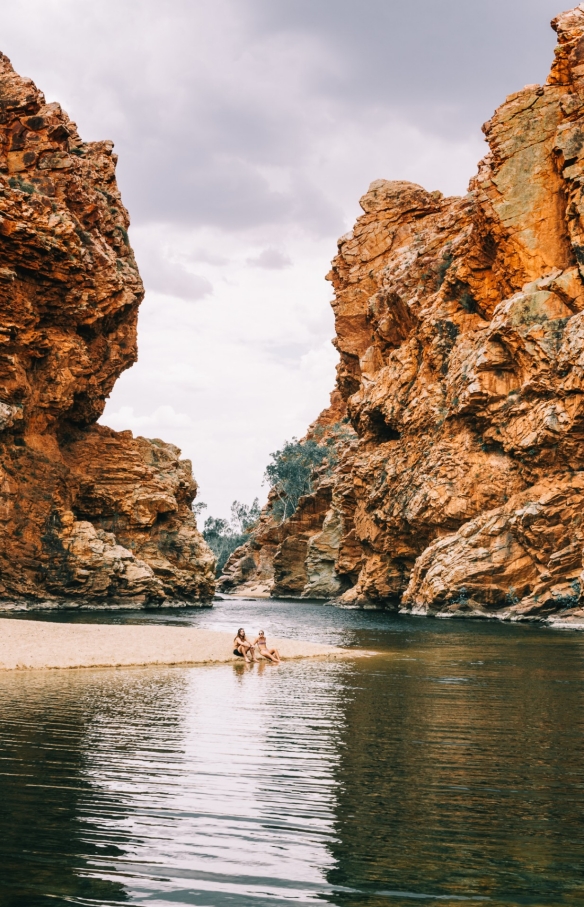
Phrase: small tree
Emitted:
{"points": [[290, 473], [243, 517], [224, 536]]}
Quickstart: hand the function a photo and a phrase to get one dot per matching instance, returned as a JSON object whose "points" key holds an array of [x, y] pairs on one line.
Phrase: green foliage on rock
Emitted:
{"points": [[244, 517], [291, 474], [292, 469], [224, 536]]}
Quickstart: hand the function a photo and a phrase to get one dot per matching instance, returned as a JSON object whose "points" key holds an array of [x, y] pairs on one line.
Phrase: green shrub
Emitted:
{"points": [[291, 472], [443, 267], [512, 598], [224, 536]]}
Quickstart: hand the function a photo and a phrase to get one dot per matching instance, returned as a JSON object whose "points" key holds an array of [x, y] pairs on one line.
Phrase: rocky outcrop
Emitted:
{"points": [[460, 328], [279, 557], [87, 515]]}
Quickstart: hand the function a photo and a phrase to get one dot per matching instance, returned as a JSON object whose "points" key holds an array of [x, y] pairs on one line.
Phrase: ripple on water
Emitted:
{"points": [[449, 768]]}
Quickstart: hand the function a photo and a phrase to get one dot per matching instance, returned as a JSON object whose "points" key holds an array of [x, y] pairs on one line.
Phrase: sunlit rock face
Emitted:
{"points": [[86, 514], [460, 328]]}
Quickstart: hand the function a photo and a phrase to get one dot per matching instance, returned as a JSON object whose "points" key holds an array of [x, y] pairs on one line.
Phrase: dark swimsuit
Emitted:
{"points": [[237, 652]]}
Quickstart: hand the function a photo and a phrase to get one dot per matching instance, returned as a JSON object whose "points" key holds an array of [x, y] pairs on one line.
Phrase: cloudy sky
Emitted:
{"points": [[246, 131]]}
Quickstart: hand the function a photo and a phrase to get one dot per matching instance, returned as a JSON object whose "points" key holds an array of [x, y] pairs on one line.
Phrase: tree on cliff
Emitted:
{"points": [[291, 472], [224, 536]]}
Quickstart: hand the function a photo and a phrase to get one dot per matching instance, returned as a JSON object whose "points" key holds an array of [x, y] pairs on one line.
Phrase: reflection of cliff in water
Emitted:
{"points": [[52, 851], [461, 772]]}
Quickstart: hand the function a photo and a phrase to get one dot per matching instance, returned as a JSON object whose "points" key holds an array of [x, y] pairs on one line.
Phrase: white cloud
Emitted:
{"points": [[162, 417], [245, 128], [270, 259]]}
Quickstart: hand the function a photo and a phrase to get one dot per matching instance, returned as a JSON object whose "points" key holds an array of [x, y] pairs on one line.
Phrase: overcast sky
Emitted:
{"points": [[246, 131]]}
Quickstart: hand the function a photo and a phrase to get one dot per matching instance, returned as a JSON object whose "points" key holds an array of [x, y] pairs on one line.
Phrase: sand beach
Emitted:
{"points": [[30, 644]]}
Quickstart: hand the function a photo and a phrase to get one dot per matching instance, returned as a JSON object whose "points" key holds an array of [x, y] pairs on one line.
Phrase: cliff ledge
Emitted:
{"points": [[87, 515], [460, 328]]}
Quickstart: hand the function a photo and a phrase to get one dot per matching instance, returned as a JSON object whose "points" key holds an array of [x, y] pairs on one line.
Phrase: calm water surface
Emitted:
{"points": [[447, 769]]}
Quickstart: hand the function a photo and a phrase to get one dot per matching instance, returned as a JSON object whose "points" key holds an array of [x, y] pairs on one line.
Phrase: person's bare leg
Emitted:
{"points": [[267, 654], [251, 653], [243, 649]]}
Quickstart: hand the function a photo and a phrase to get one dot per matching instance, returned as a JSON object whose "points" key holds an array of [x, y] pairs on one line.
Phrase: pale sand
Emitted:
{"points": [[26, 644]]}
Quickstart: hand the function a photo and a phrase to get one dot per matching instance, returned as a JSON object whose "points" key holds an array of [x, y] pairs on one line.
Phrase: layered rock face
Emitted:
{"points": [[460, 328], [87, 515]]}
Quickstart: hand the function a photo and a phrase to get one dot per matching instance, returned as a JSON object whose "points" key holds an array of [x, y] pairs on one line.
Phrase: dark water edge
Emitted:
{"points": [[448, 769], [74, 605], [106, 611]]}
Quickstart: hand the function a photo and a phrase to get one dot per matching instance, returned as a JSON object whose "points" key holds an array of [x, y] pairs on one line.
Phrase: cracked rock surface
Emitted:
{"points": [[460, 328], [87, 515]]}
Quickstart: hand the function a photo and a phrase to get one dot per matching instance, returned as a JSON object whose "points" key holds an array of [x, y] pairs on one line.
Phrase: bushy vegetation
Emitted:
{"points": [[291, 471], [291, 474], [224, 536]]}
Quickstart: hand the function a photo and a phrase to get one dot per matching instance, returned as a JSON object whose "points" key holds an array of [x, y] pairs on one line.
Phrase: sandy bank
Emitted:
{"points": [[28, 644]]}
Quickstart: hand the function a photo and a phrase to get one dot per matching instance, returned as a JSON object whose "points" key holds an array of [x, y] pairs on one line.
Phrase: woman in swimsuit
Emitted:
{"points": [[262, 644], [242, 646]]}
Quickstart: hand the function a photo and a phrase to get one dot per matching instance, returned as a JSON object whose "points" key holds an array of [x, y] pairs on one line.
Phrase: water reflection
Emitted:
{"points": [[449, 768], [244, 806], [204, 786], [44, 832], [462, 774]]}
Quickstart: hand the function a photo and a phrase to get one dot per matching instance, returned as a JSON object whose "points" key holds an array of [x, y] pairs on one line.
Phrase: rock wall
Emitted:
{"points": [[87, 515], [278, 559], [460, 328]]}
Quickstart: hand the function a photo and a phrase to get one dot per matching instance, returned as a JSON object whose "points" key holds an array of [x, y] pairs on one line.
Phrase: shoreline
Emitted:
{"points": [[553, 620], [42, 645], [23, 606]]}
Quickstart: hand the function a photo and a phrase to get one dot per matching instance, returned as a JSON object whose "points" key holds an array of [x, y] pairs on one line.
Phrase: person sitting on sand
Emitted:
{"points": [[262, 644], [243, 647]]}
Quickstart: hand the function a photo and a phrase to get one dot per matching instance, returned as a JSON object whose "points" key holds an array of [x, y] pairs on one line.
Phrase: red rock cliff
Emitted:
{"points": [[460, 328], [86, 514]]}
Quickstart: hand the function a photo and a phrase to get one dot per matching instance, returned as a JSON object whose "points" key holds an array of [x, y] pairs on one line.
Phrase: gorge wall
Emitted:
{"points": [[87, 515], [460, 328]]}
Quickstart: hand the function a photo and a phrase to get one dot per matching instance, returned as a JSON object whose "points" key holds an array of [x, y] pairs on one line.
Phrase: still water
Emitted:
{"points": [[448, 769]]}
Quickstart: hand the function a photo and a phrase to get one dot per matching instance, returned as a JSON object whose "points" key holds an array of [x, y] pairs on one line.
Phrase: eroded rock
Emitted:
{"points": [[87, 515], [459, 324]]}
